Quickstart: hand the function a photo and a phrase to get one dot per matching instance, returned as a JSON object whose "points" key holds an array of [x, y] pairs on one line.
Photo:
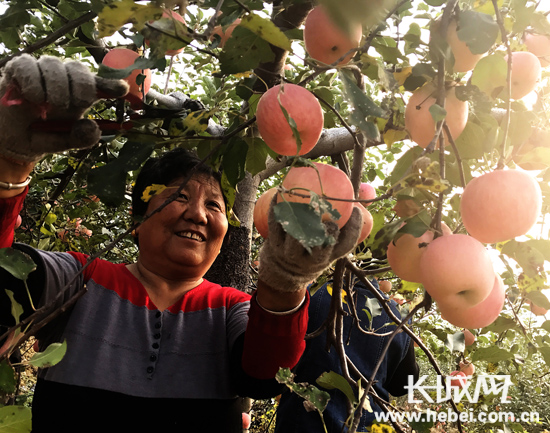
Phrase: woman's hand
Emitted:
{"points": [[286, 266], [55, 92]]}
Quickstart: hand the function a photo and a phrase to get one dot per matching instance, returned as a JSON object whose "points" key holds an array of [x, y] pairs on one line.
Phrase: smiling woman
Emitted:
{"points": [[152, 338]]}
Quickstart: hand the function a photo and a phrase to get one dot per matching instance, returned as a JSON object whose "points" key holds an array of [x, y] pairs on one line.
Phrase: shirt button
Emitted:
{"points": [[158, 325], [158, 314], [156, 336], [150, 370], [153, 358], [155, 346]]}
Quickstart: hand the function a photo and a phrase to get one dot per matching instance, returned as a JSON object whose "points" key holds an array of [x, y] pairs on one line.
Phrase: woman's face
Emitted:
{"points": [[185, 237]]}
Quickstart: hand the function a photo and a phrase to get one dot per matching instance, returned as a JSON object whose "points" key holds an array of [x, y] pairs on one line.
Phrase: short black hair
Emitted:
{"points": [[172, 165]]}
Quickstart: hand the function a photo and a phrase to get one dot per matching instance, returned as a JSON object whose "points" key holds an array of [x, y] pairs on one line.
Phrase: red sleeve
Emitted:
{"points": [[9, 209], [272, 341]]}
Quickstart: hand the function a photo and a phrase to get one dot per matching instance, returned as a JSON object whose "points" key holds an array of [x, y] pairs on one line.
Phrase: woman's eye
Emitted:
{"points": [[215, 205], [182, 197]]}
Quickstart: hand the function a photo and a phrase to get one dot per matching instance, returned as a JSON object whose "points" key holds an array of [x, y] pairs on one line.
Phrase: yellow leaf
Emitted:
{"points": [[531, 283], [153, 190], [402, 75], [115, 15], [329, 290], [197, 121], [267, 30], [394, 135]]}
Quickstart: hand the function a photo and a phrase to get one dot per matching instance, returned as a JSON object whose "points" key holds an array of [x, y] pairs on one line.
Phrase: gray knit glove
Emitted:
{"points": [[286, 266], [56, 92]]}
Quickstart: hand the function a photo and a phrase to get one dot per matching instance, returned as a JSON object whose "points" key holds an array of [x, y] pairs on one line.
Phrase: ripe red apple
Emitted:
{"points": [[478, 316], [366, 192], [467, 368], [525, 74], [171, 15], [246, 420], [420, 123], [457, 270], [469, 337], [261, 212], [334, 183], [539, 45], [500, 205], [121, 58], [537, 310], [325, 41], [458, 379], [385, 285], [368, 223], [404, 254], [301, 106]]}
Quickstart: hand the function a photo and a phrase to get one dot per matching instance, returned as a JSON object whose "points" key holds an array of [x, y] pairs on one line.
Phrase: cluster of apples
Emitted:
{"points": [[456, 269], [525, 75]]}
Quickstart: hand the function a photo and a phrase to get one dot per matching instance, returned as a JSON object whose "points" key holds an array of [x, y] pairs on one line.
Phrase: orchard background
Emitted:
{"points": [[80, 201]]}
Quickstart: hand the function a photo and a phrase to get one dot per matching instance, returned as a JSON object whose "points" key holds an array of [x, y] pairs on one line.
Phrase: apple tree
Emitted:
{"points": [[435, 112]]}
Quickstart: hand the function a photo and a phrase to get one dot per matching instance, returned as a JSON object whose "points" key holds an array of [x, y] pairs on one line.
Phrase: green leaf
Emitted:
{"points": [[234, 160], [319, 399], [470, 142], [363, 106], [491, 354], [539, 298], [404, 163], [382, 239], [119, 74], [8, 380], [15, 419], [478, 30], [108, 182], [267, 30], [256, 156], [16, 308], [303, 223], [244, 51], [438, 112], [51, 356], [529, 258], [333, 380], [16, 262]]}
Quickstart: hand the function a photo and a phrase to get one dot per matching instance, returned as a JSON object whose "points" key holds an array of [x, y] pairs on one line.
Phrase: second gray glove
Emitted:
{"points": [[286, 266], [50, 90]]}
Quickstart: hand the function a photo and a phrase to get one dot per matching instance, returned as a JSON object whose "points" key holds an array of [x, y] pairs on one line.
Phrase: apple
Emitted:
{"points": [[171, 15], [525, 73], [500, 205], [469, 337], [467, 368], [404, 254], [420, 123], [302, 106], [457, 270], [537, 310], [539, 45], [261, 212], [385, 286], [325, 41], [325, 179], [368, 223], [246, 420], [458, 379], [366, 192], [478, 316], [465, 60], [121, 58]]}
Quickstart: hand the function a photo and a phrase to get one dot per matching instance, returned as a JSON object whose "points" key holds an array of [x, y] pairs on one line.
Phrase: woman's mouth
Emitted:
{"points": [[191, 235]]}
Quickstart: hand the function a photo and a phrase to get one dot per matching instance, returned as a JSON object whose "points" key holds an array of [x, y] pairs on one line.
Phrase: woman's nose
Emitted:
{"points": [[196, 213]]}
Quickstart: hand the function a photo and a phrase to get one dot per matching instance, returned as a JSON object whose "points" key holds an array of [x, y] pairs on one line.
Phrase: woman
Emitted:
{"points": [[150, 345]]}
